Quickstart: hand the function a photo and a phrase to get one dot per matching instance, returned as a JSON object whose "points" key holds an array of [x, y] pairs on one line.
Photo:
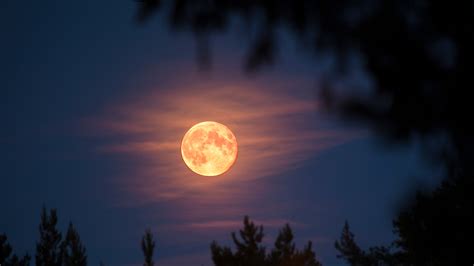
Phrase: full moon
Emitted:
{"points": [[209, 148]]}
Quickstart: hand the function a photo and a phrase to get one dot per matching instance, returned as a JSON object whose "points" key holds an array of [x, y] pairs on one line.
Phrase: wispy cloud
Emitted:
{"points": [[275, 133], [230, 225]]}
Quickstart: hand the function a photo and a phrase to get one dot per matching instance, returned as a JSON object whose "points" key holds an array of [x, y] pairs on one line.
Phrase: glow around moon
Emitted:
{"points": [[209, 148]]}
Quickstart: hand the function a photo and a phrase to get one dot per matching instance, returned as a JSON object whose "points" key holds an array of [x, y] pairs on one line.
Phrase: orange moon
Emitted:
{"points": [[209, 148]]}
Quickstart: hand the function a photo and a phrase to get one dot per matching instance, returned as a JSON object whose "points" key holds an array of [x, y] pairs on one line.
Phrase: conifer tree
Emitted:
{"points": [[250, 251], [285, 253], [375, 256], [148, 246], [7, 258], [306, 257], [348, 248], [72, 250], [5, 249], [284, 247], [48, 248]]}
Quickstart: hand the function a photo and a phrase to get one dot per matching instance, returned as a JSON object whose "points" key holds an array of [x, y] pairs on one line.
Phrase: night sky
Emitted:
{"points": [[93, 109]]}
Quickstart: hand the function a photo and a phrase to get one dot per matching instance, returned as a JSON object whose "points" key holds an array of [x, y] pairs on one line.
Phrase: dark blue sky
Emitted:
{"points": [[69, 68]]}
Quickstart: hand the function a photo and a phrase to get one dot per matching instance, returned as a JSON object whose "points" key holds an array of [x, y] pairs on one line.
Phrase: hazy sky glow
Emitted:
{"points": [[93, 113]]}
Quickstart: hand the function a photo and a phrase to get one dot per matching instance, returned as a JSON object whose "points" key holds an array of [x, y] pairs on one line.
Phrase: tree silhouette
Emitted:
{"points": [[148, 246], [250, 251], [424, 235], [5, 248], [375, 256], [72, 250], [285, 253], [348, 248], [6, 256], [48, 249], [51, 251], [284, 247], [435, 227]]}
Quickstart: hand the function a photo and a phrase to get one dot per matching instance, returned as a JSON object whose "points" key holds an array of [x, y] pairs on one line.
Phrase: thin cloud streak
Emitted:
{"points": [[226, 225], [235, 225]]}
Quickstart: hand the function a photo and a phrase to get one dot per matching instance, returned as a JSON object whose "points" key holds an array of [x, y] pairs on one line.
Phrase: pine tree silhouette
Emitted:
{"points": [[348, 248], [72, 250], [432, 230], [284, 252], [48, 251], [306, 257], [148, 246], [250, 251], [284, 247], [375, 256], [7, 258], [5, 248]]}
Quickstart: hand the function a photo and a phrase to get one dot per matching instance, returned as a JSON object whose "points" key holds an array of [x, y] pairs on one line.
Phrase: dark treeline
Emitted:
{"points": [[419, 57], [249, 250], [54, 250]]}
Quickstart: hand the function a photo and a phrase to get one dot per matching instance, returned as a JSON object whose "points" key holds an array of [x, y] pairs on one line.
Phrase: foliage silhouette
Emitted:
{"points": [[7, 258], [348, 248], [418, 57], [436, 227], [72, 250], [5, 248], [52, 250], [148, 246], [285, 252], [418, 54], [354, 255], [48, 249], [250, 251], [425, 236]]}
